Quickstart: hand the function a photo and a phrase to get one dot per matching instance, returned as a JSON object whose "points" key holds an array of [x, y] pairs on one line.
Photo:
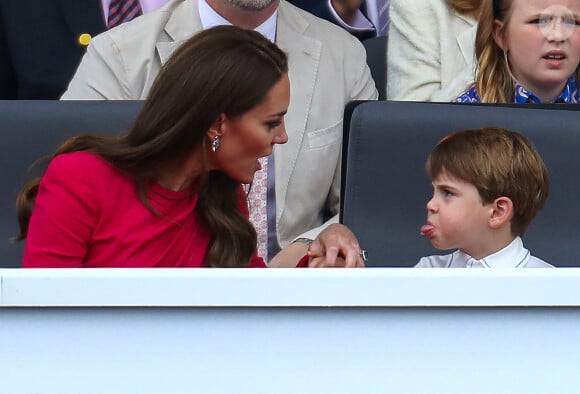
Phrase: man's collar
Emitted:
{"points": [[210, 18]]}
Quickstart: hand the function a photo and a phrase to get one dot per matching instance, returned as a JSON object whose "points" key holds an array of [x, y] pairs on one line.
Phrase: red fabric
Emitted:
{"points": [[87, 214], [303, 263]]}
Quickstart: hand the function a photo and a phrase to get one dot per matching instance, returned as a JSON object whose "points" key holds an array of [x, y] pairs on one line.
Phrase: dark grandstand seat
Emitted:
{"points": [[376, 49], [31, 129], [385, 186]]}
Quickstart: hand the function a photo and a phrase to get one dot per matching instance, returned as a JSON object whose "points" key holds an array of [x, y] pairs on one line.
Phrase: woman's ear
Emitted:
{"points": [[503, 211], [499, 35], [216, 128]]}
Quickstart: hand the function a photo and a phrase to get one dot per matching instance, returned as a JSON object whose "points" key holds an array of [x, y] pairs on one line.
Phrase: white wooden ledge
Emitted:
{"points": [[289, 331]]}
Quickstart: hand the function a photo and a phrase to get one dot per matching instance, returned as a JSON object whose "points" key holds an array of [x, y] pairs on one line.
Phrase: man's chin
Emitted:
{"points": [[251, 5]]}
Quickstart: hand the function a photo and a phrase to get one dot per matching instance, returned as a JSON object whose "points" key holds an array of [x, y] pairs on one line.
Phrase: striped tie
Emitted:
{"points": [[383, 12], [122, 11]]}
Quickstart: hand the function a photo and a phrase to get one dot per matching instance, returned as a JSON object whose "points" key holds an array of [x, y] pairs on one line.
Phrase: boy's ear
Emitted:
{"points": [[217, 127], [503, 211], [499, 35]]}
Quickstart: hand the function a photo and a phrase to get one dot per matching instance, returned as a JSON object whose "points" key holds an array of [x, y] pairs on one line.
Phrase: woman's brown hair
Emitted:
{"points": [[222, 70]]}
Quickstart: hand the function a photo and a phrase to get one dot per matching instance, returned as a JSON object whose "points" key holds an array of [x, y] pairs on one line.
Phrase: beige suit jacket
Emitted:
{"points": [[327, 69], [431, 51]]}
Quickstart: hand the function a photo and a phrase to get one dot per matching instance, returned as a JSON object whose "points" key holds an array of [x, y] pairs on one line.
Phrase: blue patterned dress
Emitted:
{"points": [[569, 95]]}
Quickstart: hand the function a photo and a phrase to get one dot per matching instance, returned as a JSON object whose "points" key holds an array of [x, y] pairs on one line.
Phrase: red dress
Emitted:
{"points": [[88, 214]]}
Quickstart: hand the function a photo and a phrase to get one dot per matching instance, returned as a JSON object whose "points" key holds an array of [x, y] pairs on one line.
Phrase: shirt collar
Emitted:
{"points": [[569, 95], [210, 18], [512, 256]]}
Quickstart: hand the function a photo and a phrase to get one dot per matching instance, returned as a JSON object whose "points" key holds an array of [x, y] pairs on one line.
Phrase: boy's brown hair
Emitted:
{"points": [[499, 163]]}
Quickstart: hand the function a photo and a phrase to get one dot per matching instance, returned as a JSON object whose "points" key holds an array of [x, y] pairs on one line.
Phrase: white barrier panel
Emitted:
{"points": [[289, 331]]}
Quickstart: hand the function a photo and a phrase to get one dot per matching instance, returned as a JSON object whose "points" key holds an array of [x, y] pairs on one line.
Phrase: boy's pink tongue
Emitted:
{"points": [[427, 230]]}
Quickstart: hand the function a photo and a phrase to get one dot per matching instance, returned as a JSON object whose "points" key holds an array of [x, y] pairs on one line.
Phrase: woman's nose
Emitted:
{"points": [[282, 136]]}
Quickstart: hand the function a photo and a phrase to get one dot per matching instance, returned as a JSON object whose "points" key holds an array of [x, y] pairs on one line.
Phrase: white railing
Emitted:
{"points": [[364, 331]]}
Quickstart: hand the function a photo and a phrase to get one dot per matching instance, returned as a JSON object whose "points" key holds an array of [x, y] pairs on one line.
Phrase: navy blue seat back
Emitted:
{"points": [[376, 49], [385, 188]]}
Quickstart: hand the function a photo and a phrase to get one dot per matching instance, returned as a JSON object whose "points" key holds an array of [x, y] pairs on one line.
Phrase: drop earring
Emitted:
{"points": [[215, 143]]}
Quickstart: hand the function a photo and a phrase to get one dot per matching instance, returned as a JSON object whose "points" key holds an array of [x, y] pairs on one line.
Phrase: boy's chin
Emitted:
{"points": [[437, 244]]}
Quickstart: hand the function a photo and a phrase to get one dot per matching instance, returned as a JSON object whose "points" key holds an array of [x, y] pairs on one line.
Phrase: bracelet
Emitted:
{"points": [[305, 241]]}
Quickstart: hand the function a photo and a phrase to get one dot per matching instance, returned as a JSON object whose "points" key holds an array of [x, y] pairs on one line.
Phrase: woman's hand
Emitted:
{"points": [[335, 246]]}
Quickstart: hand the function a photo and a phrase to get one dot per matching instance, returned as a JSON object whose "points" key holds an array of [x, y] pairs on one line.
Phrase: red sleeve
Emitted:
{"points": [[64, 214], [257, 262], [303, 263]]}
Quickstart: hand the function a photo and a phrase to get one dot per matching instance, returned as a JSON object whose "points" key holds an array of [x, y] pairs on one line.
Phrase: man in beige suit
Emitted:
{"points": [[327, 70]]}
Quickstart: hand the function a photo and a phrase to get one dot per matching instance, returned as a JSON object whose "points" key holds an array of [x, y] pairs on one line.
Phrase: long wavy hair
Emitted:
{"points": [[468, 7], [495, 82], [222, 70]]}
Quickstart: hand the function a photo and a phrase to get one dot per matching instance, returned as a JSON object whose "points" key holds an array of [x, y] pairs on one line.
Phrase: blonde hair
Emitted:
{"points": [[469, 7], [499, 163], [494, 82]]}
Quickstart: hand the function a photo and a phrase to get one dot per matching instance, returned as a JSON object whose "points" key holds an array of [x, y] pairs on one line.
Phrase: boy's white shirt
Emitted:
{"points": [[512, 256]]}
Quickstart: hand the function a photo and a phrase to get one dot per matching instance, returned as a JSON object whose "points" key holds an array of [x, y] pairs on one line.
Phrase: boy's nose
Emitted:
{"points": [[431, 205]]}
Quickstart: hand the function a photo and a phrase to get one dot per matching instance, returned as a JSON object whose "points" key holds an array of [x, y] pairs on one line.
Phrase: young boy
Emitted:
{"points": [[488, 185]]}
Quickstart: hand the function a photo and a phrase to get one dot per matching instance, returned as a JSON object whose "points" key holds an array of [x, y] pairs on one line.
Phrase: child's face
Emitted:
{"points": [[456, 216], [543, 40]]}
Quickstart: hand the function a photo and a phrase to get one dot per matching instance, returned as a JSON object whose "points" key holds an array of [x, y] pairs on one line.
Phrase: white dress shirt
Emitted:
{"points": [[512, 256], [210, 18]]}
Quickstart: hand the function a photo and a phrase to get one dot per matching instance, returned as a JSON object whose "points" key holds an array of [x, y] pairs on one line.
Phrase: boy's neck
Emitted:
{"points": [[496, 241]]}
